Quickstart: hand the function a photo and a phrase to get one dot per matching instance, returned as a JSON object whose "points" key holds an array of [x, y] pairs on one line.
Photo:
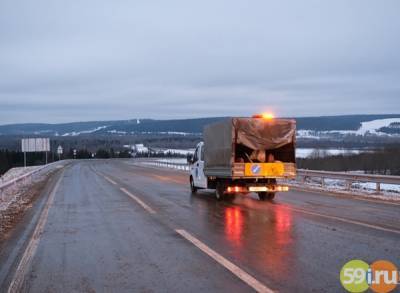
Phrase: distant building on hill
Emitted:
{"points": [[137, 149]]}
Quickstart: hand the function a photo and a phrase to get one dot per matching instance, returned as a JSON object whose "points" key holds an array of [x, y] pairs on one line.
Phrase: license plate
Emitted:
{"points": [[258, 188]]}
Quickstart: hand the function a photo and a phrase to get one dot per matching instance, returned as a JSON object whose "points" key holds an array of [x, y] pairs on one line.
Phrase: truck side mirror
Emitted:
{"points": [[189, 159]]}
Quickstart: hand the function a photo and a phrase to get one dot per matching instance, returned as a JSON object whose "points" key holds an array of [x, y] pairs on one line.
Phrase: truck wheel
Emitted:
{"points": [[193, 189], [220, 191], [266, 195]]}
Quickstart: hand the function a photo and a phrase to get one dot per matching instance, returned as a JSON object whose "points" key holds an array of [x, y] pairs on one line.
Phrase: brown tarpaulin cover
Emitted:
{"points": [[255, 133]]}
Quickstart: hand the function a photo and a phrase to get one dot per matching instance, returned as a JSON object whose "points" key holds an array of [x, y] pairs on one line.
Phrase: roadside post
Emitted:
{"points": [[59, 152]]}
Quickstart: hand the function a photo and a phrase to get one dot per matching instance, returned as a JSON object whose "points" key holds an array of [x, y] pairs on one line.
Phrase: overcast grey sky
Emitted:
{"points": [[100, 60]]}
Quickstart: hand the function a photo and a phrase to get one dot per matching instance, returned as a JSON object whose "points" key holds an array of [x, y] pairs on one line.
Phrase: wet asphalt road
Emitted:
{"points": [[97, 238]]}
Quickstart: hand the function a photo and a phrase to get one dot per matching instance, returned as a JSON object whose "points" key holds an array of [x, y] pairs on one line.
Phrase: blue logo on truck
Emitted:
{"points": [[255, 169]]}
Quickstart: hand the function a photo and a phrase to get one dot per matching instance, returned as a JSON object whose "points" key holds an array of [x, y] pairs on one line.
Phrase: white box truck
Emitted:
{"points": [[243, 155]]}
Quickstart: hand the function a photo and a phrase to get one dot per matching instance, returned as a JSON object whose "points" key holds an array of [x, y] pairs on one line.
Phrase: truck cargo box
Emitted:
{"points": [[236, 143]]}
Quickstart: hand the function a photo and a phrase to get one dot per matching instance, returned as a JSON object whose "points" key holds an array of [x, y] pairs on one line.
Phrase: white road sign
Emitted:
{"points": [[60, 150], [35, 145]]}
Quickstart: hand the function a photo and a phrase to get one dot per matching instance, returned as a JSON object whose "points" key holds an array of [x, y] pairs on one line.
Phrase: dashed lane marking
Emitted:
{"points": [[139, 201], [238, 272], [110, 180], [134, 197]]}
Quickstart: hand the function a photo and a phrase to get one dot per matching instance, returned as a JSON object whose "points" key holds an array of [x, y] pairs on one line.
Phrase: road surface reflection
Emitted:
{"points": [[258, 233], [262, 236], [234, 225]]}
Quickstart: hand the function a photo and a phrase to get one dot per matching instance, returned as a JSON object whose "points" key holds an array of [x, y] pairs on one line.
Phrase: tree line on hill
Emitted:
{"points": [[10, 159], [94, 142], [385, 161], [194, 125]]}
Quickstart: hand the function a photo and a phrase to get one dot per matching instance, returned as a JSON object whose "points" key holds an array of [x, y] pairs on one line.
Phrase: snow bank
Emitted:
{"points": [[16, 172], [12, 193], [364, 189]]}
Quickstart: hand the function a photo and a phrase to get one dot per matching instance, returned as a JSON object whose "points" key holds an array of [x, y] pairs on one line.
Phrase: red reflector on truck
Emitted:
{"points": [[236, 189]]}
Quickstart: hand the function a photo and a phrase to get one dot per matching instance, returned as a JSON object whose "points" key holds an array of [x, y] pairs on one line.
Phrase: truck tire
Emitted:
{"points": [[193, 189], [266, 195], [220, 191]]}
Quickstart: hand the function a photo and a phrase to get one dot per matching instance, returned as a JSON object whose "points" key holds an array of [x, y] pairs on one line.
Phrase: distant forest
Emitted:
{"points": [[385, 162], [194, 125], [11, 159]]}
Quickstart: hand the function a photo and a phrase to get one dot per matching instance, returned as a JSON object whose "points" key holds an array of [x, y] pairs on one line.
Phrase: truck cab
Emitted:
{"points": [[197, 177]]}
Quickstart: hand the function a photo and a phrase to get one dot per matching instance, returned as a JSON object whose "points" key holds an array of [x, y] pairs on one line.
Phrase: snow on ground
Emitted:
{"points": [[179, 151], [314, 134], [384, 187], [15, 199], [168, 133], [306, 152], [175, 133], [173, 160], [365, 189], [367, 127], [11, 194], [307, 134], [75, 133], [300, 152], [117, 132], [374, 125], [42, 132], [15, 173]]}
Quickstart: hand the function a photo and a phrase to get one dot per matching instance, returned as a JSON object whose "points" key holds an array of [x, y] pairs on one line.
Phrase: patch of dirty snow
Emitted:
{"points": [[365, 189]]}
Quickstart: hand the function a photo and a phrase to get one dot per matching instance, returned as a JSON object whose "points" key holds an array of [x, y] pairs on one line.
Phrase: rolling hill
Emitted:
{"points": [[307, 126]]}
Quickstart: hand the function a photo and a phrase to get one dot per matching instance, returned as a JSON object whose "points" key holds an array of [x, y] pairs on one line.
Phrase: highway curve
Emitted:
{"points": [[116, 226]]}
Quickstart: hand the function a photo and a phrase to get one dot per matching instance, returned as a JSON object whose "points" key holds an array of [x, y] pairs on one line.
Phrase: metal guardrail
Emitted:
{"points": [[303, 175], [350, 178], [179, 166], [14, 182]]}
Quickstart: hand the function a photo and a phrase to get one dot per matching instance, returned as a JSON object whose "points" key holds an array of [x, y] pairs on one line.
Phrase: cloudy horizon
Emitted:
{"points": [[98, 60]]}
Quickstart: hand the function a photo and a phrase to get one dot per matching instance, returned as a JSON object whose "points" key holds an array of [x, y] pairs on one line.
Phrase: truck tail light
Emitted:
{"points": [[236, 189]]}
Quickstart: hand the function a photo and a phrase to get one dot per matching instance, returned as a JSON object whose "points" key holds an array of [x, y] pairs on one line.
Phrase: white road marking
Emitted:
{"points": [[347, 221], [238, 272], [29, 253], [110, 180], [139, 201]]}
